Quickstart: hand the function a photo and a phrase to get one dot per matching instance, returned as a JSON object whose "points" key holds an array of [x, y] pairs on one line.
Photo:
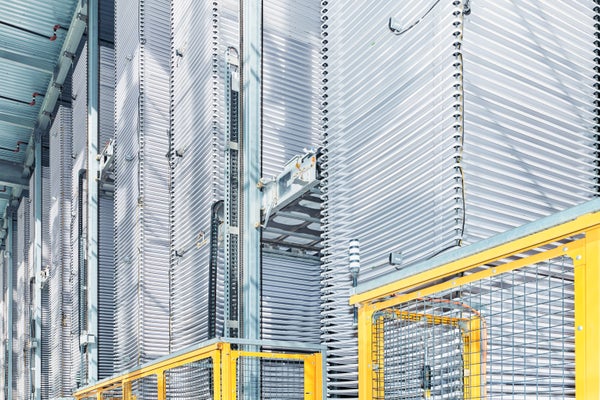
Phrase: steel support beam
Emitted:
{"points": [[36, 319], [9, 305], [92, 191], [251, 26]]}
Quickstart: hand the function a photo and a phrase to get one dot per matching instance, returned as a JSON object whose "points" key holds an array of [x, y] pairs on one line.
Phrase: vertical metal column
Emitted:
{"points": [[36, 318], [251, 27], [9, 306], [92, 192]]}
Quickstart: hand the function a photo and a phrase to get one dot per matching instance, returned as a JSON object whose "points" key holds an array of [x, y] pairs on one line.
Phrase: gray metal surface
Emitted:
{"points": [[197, 172], [79, 102], [21, 304], [290, 299], [142, 181], [530, 145]]}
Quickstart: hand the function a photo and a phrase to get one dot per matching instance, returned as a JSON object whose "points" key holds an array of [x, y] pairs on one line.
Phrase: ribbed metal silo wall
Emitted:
{"points": [[21, 374], [391, 143], [142, 198], [46, 331], [106, 247], [290, 298], [291, 81], [59, 287], [197, 170], [530, 140]]}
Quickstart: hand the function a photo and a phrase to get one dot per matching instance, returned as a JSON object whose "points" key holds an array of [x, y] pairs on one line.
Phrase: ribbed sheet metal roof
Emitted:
{"points": [[28, 58]]}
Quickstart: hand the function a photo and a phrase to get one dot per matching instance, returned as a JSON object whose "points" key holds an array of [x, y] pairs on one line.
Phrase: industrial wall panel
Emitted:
{"points": [[142, 210], [59, 288], [45, 295], [291, 81], [290, 309], [21, 305], [106, 227], [126, 183], [79, 102], [530, 143], [106, 22], [197, 166], [391, 178]]}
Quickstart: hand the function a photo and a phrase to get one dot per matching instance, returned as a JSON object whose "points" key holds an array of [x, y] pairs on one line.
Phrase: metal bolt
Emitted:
{"points": [[493, 270], [565, 248], [578, 257], [580, 328]]}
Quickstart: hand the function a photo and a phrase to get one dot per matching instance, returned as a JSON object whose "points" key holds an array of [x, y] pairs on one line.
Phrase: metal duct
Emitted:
{"points": [[79, 102], [530, 144], [142, 244]]}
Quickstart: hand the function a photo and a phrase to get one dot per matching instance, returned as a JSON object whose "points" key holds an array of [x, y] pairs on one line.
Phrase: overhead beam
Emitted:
{"points": [[65, 61], [12, 174], [27, 61]]}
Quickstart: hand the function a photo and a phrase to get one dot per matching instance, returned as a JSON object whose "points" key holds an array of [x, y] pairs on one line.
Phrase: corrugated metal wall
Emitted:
{"points": [[106, 245], [444, 128], [79, 99], [530, 143], [59, 287], [197, 170], [45, 295], [142, 247], [21, 309]]}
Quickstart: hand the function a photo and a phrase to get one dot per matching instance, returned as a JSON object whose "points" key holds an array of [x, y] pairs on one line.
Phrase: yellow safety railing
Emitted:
{"points": [[521, 314], [225, 377]]}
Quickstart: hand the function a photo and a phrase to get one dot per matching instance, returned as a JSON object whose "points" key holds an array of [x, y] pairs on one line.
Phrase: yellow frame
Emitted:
{"points": [[224, 361], [584, 252]]}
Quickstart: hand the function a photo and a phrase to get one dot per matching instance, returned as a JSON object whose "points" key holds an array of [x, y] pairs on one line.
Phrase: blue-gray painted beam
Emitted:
{"points": [[592, 206], [27, 61], [92, 190], [251, 170], [9, 305], [36, 377], [12, 174]]}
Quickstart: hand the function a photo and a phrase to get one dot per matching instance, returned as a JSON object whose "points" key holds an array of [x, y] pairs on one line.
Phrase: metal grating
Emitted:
{"points": [[277, 378], [191, 381], [510, 336]]}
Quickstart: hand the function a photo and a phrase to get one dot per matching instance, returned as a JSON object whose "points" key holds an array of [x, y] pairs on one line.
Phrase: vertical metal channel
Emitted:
{"points": [[232, 194], [251, 93], [92, 192], [36, 317], [10, 247]]}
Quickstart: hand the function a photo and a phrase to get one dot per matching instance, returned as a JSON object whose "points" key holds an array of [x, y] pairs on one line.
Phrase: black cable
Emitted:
{"points": [[399, 32]]}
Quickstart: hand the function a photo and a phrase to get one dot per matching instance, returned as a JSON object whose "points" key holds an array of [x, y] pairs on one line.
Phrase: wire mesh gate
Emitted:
{"points": [[517, 321], [218, 372]]}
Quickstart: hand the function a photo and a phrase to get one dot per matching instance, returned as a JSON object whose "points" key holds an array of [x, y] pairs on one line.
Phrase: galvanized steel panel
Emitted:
{"points": [[79, 102], [142, 181], [197, 167], [530, 142]]}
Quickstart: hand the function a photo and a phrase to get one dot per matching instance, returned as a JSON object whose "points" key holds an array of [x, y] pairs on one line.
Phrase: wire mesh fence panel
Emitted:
{"points": [[191, 381], [113, 394], [270, 378], [504, 336], [145, 388]]}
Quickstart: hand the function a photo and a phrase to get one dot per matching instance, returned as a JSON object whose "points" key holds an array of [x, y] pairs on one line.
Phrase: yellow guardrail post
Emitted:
{"points": [[365, 347], [587, 318], [126, 385], [312, 381], [161, 385], [227, 373]]}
